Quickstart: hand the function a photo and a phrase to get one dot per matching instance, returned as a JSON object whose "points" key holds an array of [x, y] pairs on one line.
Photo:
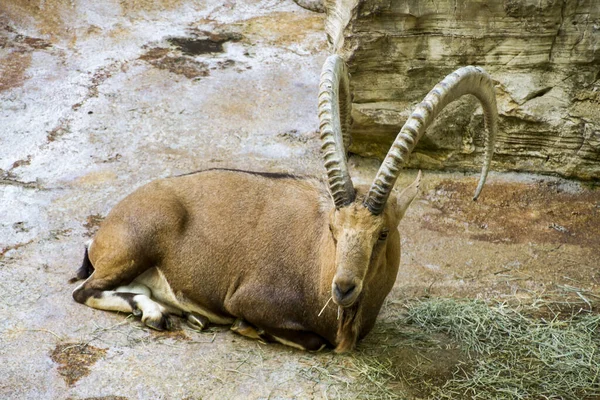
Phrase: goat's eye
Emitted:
{"points": [[383, 235]]}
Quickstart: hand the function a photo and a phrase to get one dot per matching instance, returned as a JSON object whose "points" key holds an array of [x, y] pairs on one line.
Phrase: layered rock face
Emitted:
{"points": [[544, 56]]}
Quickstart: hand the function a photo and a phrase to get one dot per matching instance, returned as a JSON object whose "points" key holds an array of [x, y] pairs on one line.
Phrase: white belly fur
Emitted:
{"points": [[162, 292]]}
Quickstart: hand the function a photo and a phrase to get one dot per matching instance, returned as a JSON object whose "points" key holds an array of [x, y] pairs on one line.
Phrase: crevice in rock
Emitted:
{"points": [[4, 250], [538, 93], [63, 128], [311, 5], [558, 31], [9, 178], [15, 182], [98, 78], [20, 163]]}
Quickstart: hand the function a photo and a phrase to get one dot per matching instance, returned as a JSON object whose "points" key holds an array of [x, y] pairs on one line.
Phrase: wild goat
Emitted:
{"points": [[268, 252]]}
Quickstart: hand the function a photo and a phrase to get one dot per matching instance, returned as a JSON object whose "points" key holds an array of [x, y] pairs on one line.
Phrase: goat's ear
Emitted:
{"points": [[406, 197]]}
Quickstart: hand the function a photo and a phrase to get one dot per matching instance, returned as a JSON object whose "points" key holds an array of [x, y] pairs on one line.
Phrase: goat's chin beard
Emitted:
{"points": [[349, 319]]}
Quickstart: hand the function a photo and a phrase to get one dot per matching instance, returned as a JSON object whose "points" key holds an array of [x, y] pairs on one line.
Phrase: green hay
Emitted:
{"points": [[513, 356]]}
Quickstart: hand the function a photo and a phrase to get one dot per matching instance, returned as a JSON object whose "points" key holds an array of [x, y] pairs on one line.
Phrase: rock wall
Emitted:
{"points": [[544, 56]]}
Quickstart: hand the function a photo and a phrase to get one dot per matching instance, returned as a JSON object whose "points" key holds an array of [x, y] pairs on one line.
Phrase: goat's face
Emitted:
{"points": [[359, 237], [362, 240]]}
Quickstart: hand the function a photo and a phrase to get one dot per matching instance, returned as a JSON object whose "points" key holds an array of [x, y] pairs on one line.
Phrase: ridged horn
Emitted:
{"points": [[466, 80], [335, 120]]}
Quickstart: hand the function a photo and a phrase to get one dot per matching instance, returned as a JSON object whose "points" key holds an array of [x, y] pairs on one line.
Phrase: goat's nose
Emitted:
{"points": [[343, 288]]}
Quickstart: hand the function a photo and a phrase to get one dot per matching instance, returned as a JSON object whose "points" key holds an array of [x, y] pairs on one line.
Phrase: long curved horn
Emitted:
{"points": [[335, 120], [466, 80]]}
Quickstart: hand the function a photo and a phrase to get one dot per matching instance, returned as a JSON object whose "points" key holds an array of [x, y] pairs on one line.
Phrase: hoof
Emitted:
{"points": [[163, 323], [323, 346], [245, 329], [170, 323], [196, 321], [239, 325]]}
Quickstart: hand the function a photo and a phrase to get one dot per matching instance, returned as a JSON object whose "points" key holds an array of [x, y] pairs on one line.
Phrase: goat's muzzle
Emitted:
{"points": [[345, 290]]}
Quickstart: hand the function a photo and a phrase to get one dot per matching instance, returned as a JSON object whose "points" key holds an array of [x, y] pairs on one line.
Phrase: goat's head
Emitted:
{"points": [[362, 240], [364, 226]]}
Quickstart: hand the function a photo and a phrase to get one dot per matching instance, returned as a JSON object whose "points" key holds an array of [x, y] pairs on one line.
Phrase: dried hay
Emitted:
{"points": [[507, 353], [512, 355]]}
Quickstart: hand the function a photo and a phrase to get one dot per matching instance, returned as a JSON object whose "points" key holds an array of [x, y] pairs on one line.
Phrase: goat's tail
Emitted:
{"points": [[86, 268]]}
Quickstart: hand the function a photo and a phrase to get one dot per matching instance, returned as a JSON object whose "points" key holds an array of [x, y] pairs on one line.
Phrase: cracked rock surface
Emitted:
{"points": [[100, 97]]}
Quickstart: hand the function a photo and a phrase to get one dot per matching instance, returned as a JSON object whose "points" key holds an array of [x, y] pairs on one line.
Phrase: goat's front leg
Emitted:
{"points": [[301, 340]]}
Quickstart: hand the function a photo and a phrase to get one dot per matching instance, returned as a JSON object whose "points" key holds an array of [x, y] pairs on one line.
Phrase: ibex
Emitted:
{"points": [[267, 253]]}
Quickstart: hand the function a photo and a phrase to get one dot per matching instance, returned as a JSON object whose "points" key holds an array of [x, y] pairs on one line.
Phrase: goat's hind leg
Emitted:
{"points": [[103, 290], [134, 299]]}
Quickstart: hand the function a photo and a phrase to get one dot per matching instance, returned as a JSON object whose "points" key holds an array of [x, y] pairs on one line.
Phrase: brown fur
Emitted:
{"points": [[265, 249]]}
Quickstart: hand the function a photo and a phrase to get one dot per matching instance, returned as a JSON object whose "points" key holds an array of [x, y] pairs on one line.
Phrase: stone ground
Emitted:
{"points": [[98, 98]]}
